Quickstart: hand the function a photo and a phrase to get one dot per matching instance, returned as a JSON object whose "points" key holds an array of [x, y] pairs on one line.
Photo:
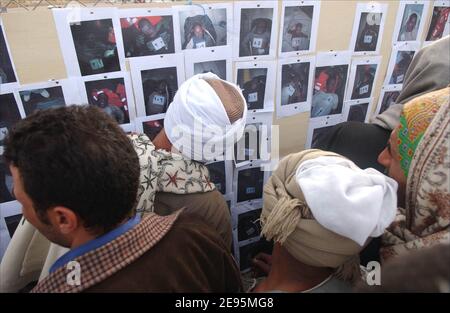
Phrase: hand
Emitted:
{"points": [[261, 264]]}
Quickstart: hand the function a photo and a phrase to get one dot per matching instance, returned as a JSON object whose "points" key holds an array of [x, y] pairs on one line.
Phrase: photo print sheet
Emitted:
{"points": [[10, 218], [255, 144], [410, 21], [245, 252], [205, 25], [363, 75], [317, 129], [90, 40], [155, 81], [368, 28], [248, 183], [216, 60], [150, 125], [299, 22], [401, 57], [8, 75], [148, 32], [51, 94], [221, 174], [246, 224], [256, 30], [257, 82], [11, 111], [358, 110], [294, 85], [329, 87], [388, 96], [113, 94], [439, 26]]}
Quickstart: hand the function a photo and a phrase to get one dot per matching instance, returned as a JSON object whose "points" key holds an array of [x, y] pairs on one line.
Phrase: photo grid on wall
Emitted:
{"points": [[131, 62]]}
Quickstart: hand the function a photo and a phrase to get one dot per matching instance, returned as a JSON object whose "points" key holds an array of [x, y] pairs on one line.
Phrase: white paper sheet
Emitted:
{"points": [[363, 77], [410, 21], [388, 96], [439, 25], [216, 60], [401, 57]]}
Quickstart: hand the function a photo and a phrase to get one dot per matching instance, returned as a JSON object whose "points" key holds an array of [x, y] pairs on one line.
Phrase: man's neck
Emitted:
{"points": [[290, 275], [84, 235]]}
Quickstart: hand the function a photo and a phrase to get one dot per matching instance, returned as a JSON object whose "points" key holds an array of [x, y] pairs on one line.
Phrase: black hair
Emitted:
{"points": [[79, 158]]}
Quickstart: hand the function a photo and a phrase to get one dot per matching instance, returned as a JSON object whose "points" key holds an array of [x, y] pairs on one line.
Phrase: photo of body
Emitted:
{"points": [[6, 68], [159, 87], [389, 99], [252, 81], [402, 62], [329, 90], [255, 31], [364, 79], [110, 96], [152, 128], [249, 251], [318, 134], [297, 28], [439, 26], [294, 83], [202, 28], [217, 175], [248, 147], [41, 99], [250, 183], [409, 28], [358, 112], [147, 35], [95, 45], [9, 116], [218, 67], [249, 225], [368, 32]]}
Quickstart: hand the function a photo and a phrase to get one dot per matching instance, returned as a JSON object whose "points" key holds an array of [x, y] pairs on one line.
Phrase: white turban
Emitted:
{"points": [[197, 123], [347, 200]]}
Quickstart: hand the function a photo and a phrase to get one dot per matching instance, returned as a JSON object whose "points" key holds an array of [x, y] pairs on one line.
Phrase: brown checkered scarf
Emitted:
{"points": [[103, 262]]}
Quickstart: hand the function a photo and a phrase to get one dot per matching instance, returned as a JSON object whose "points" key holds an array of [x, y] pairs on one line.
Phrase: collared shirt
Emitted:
{"points": [[95, 243]]}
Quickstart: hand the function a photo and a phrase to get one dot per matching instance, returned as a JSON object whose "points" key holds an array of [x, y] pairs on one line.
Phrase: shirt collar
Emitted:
{"points": [[95, 243]]}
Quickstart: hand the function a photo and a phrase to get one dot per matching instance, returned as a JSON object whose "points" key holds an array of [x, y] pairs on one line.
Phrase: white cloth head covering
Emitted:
{"points": [[347, 200], [196, 120]]}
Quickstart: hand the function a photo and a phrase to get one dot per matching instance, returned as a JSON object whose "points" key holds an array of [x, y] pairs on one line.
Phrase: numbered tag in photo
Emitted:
{"points": [[158, 44], [96, 64], [250, 190], [364, 89], [201, 44], [3, 133], [159, 100], [253, 97], [368, 39], [296, 42], [290, 90], [400, 79], [257, 42]]}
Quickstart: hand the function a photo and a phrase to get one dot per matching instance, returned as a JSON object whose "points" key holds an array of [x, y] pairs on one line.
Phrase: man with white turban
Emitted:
{"points": [[320, 209], [170, 179]]}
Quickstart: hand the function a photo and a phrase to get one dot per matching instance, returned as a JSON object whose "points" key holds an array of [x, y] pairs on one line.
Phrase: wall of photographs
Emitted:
{"points": [[303, 65]]}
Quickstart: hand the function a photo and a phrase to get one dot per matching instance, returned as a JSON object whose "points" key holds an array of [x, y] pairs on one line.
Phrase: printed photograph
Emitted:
{"points": [[159, 87], [402, 62], [297, 28], [439, 26], [255, 31], [318, 134], [389, 99], [294, 83], [329, 90], [364, 79], [6, 69], [110, 96], [41, 99], [218, 67], [250, 184], [95, 45], [147, 35], [410, 22], [203, 28], [249, 225], [358, 112], [252, 81], [368, 32], [217, 175], [248, 147]]}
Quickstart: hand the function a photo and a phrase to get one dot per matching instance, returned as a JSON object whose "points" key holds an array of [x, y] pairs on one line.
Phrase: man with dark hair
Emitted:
{"points": [[76, 175]]}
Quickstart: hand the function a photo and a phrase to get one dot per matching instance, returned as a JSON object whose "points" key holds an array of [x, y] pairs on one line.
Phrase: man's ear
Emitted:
{"points": [[63, 219]]}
